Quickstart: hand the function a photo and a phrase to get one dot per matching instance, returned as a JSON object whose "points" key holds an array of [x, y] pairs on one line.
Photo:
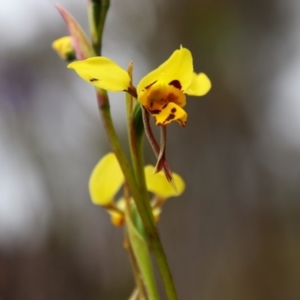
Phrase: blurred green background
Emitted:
{"points": [[235, 233]]}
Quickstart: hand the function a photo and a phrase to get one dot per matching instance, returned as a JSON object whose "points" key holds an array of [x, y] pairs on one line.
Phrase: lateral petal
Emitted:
{"points": [[106, 180], [103, 73], [159, 185], [200, 85]]}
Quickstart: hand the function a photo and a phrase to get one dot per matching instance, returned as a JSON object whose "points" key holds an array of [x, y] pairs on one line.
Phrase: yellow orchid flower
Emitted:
{"points": [[107, 178], [162, 92], [64, 48]]}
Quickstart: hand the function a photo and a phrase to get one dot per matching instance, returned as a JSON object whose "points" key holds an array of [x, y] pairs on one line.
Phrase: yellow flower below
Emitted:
{"points": [[107, 179]]}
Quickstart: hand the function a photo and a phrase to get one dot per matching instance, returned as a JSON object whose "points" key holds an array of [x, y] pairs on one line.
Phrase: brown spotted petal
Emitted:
{"points": [[171, 112]]}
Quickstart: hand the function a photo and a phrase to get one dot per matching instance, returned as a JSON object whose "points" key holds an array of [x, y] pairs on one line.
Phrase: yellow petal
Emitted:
{"points": [[171, 112], [177, 71], [103, 73], [63, 46], [200, 85], [158, 184], [106, 179]]}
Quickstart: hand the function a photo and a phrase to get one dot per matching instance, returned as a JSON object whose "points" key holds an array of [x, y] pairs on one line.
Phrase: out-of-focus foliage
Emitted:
{"points": [[234, 234]]}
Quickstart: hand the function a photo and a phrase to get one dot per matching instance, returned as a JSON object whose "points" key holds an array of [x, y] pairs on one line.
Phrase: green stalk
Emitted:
{"points": [[138, 194], [138, 164], [97, 11], [136, 272], [97, 15], [136, 144]]}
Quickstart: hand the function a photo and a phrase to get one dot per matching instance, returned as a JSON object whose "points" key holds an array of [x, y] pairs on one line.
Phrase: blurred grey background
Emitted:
{"points": [[235, 233]]}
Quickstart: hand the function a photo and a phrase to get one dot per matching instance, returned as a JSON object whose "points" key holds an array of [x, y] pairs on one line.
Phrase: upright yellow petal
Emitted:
{"points": [[103, 73], [200, 85], [106, 179], [158, 184], [177, 71]]}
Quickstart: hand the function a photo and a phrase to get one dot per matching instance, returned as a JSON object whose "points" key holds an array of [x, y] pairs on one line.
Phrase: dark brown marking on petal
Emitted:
{"points": [[170, 117], [165, 105], [147, 87], [155, 111], [94, 79], [151, 104], [176, 84], [173, 110]]}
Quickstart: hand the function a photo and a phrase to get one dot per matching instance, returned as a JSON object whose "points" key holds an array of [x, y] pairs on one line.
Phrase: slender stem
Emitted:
{"points": [[104, 109], [131, 133], [154, 242], [142, 206], [97, 26], [97, 11], [127, 245], [137, 161], [136, 272]]}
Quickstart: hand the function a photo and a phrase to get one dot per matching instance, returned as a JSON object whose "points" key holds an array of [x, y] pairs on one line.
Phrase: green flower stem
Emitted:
{"points": [[143, 206], [139, 282], [136, 146], [130, 131], [136, 272], [97, 10], [138, 165], [97, 16]]}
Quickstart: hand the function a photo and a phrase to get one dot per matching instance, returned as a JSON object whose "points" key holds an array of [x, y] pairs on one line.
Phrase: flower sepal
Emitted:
{"points": [[81, 44]]}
